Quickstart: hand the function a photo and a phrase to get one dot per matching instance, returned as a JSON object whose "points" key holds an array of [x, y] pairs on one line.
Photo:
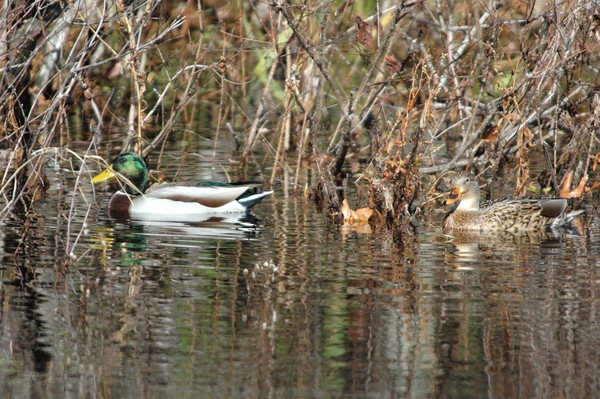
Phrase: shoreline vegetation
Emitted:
{"points": [[385, 96]]}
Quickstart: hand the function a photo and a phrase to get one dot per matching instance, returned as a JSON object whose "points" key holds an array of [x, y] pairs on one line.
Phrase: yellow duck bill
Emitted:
{"points": [[109, 173]]}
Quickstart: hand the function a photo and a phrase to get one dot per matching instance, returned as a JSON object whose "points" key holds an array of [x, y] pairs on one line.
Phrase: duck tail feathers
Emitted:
{"points": [[572, 215], [566, 219], [248, 201]]}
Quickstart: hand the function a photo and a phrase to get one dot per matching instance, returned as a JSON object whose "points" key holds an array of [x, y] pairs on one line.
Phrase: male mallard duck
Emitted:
{"points": [[504, 215], [172, 202]]}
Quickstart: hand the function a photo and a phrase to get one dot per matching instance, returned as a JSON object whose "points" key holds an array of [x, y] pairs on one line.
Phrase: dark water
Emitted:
{"points": [[284, 304]]}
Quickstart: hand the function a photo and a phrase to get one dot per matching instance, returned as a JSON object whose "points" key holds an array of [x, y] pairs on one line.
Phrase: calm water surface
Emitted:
{"points": [[284, 304]]}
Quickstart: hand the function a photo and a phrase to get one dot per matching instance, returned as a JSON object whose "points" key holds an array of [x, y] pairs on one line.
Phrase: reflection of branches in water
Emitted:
{"points": [[530, 311], [66, 167]]}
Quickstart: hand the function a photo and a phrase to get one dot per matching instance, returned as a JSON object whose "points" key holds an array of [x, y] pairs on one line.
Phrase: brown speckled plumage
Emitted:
{"points": [[506, 215]]}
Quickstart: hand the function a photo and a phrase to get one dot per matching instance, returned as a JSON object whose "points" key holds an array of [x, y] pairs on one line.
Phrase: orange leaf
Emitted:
{"points": [[361, 215], [596, 161], [566, 184], [490, 133], [565, 190]]}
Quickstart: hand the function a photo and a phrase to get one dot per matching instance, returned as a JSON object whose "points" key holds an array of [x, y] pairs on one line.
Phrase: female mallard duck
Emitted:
{"points": [[504, 215], [171, 202]]}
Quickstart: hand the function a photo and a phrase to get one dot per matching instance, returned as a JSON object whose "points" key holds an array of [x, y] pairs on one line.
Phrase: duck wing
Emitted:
{"points": [[210, 195], [525, 214], [553, 208]]}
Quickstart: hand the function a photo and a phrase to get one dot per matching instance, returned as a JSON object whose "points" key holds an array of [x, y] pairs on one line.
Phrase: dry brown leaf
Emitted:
{"points": [[594, 184], [527, 136], [596, 161], [565, 190], [361, 215], [580, 190], [490, 133], [566, 183], [363, 32], [393, 64]]}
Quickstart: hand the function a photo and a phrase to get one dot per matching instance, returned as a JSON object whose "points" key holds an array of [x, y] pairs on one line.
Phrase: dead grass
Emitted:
{"points": [[409, 89]]}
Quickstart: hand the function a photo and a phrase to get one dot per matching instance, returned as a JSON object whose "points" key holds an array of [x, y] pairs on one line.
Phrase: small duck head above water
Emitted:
{"points": [[130, 168], [466, 192]]}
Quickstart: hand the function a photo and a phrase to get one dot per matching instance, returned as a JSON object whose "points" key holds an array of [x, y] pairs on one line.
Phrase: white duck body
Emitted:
{"points": [[184, 203]]}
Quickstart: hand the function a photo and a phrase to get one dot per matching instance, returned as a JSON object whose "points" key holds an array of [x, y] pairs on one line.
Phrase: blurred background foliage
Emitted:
{"points": [[393, 94]]}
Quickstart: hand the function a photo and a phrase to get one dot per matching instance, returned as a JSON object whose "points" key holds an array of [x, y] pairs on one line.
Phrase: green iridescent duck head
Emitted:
{"points": [[130, 168]]}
